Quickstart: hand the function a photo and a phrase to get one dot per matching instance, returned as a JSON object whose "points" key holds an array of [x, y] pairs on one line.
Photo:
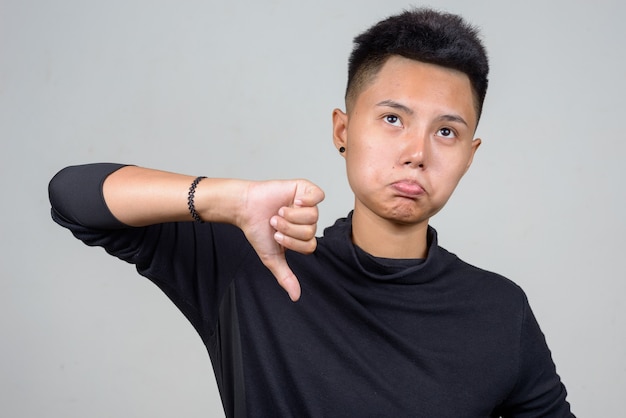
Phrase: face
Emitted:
{"points": [[409, 139]]}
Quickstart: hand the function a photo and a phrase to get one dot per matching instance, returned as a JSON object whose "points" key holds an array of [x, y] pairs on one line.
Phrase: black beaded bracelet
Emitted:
{"points": [[192, 192]]}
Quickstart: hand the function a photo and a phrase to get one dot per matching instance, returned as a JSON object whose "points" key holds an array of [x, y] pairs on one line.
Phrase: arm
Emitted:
{"points": [[273, 215], [539, 391]]}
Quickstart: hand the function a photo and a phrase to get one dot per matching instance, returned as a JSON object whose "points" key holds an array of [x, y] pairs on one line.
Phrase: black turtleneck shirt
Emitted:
{"points": [[369, 337]]}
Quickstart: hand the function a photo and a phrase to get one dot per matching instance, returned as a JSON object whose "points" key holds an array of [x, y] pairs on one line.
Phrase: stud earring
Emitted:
{"points": [[342, 149]]}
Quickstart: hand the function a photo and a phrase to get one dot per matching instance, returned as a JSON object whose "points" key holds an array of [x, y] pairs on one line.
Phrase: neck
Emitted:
{"points": [[384, 238]]}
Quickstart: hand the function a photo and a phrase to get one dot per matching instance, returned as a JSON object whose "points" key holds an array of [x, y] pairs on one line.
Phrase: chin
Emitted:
{"points": [[405, 217]]}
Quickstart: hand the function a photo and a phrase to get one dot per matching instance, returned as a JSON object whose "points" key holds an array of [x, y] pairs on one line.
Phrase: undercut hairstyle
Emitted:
{"points": [[423, 35]]}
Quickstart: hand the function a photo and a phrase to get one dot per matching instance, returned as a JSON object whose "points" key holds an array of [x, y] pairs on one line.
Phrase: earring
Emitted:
{"points": [[342, 149]]}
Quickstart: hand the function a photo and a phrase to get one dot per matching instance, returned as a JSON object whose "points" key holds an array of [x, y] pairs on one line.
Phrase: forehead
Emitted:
{"points": [[409, 80]]}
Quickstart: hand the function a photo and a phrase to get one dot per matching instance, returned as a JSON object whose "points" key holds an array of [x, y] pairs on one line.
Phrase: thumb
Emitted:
{"points": [[277, 264], [308, 194]]}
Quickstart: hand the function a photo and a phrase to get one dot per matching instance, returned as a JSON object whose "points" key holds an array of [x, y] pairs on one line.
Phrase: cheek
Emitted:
{"points": [[369, 154], [449, 171], [368, 161], [363, 173]]}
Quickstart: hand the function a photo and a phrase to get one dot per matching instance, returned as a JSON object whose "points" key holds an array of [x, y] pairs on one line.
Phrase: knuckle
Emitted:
{"points": [[283, 226]]}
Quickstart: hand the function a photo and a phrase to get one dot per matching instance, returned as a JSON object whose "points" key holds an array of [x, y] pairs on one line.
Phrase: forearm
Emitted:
{"points": [[140, 196], [111, 196]]}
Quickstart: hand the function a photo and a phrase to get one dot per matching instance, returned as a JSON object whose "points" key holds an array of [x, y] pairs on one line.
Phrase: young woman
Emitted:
{"points": [[386, 323]]}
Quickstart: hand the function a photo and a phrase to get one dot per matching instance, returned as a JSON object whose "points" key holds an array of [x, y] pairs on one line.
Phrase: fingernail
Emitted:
{"points": [[274, 221], [294, 295], [279, 237]]}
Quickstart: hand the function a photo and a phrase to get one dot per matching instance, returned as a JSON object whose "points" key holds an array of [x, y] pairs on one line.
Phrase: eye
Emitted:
{"points": [[446, 133], [393, 120]]}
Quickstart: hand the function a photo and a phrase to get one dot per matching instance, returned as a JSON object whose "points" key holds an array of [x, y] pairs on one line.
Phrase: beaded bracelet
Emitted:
{"points": [[192, 192]]}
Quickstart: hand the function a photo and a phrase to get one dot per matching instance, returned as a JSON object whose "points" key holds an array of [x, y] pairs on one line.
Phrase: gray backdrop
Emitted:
{"points": [[246, 89]]}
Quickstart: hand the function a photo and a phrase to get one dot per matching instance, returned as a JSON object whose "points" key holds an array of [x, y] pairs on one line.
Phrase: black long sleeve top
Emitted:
{"points": [[369, 337]]}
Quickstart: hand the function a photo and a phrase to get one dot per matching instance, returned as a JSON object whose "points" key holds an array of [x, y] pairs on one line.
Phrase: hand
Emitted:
{"points": [[278, 215]]}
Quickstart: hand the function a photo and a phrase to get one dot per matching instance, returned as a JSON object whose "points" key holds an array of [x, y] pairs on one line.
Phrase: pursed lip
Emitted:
{"points": [[408, 188]]}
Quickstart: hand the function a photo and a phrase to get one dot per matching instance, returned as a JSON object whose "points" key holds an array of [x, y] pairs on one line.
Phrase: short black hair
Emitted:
{"points": [[424, 35]]}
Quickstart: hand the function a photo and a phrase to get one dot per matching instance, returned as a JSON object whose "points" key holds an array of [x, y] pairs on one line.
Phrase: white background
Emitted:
{"points": [[246, 89]]}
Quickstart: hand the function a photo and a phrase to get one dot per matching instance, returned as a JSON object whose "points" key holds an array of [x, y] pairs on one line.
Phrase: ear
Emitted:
{"points": [[475, 144], [340, 129]]}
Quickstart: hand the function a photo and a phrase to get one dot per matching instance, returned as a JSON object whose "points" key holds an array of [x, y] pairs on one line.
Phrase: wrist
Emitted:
{"points": [[219, 200], [190, 199]]}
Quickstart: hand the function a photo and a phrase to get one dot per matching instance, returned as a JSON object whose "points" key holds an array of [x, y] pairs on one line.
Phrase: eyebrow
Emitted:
{"points": [[395, 105], [399, 106], [453, 118]]}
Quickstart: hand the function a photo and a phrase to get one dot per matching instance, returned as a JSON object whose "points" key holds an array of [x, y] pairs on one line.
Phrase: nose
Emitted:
{"points": [[415, 153]]}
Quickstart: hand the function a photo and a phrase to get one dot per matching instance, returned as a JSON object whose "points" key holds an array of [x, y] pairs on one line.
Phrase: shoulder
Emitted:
{"points": [[491, 285]]}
